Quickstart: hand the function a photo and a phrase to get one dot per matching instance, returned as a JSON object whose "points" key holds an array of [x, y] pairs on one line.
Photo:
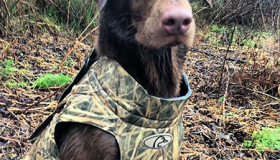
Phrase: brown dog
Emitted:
{"points": [[144, 43]]}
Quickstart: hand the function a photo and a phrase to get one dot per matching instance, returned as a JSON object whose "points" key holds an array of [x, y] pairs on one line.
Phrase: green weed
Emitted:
{"points": [[216, 33], [90, 12], [8, 68], [266, 139], [51, 12], [216, 28], [268, 65], [247, 43], [54, 66], [51, 80], [13, 84], [207, 36], [68, 62], [215, 42], [14, 10], [221, 99], [253, 44], [233, 41], [265, 34]]}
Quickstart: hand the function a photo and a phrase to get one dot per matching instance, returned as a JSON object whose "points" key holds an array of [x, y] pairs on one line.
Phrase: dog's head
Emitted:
{"points": [[152, 23]]}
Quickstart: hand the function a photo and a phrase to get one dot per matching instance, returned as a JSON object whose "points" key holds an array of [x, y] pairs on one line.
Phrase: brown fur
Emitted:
{"points": [[164, 80], [149, 30], [160, 74], [82, 144]]}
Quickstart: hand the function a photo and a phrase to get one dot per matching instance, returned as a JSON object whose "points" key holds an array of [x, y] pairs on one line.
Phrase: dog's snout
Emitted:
{"points": [[176, 20]]}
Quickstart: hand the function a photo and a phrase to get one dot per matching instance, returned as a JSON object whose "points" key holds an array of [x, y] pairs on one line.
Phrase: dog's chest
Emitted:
{"points": [[145, 127]]}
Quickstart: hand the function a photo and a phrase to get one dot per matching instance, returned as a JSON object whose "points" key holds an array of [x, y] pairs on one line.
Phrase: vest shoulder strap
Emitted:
{"points": [[87, 63]]}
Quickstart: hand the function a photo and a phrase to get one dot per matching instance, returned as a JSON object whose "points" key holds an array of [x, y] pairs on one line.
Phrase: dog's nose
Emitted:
{"points": [[176, 20]]}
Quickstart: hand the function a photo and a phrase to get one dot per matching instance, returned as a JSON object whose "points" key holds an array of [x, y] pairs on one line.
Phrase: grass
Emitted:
{"points": [[7, 68], [73, 14], [266, 140], [216, 28], [9, 71], [51, 80], [13, 84], [59, 15], [216, 36], [48, 80]]}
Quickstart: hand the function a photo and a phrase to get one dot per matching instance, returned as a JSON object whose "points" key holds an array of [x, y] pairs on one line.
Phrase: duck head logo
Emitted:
{"points": [[158, 141]]}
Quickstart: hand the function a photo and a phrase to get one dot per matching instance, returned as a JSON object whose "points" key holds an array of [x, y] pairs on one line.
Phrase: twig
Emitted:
{"points": [[225, 57], [15, 140], [15, 4], [225, 99], [278, 23], [1, 40], [57, 6], [213, 55], [263, 19], [8, 15], [248, 149], [253, 90], [7, 9], [76, 45], [94, 18], [210, 25], [79, 41], [68, 12], [48, 96]]}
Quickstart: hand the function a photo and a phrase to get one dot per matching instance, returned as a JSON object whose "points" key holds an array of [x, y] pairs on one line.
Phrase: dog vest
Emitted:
{"points": [[146, 127]]}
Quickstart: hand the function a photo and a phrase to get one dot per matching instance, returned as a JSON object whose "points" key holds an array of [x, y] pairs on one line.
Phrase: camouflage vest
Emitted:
{"points": [[146, 127]]}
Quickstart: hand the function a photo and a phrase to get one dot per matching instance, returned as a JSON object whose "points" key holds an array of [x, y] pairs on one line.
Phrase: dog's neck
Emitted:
{"points": [[159, 71]]}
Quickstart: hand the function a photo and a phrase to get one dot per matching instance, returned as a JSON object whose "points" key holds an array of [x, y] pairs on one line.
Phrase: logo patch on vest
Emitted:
{"points": [[158, 141]]}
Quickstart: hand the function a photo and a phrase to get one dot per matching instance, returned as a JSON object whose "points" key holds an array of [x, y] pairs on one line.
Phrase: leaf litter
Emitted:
{"points": [[38, 56]]}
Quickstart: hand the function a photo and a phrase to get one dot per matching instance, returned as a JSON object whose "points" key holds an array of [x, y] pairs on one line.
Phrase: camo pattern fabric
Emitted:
{"points": [[107, 97]]}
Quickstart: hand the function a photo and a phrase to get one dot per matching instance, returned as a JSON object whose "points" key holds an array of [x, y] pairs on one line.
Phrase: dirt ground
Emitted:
{"points": [[231, 98]]}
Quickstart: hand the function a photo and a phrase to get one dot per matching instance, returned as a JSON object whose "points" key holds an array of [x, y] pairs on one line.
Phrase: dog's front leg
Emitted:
{"points": [[85, 142]]}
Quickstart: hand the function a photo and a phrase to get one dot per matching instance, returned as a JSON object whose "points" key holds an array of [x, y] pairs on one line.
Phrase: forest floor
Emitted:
{"points": [[232, 97]]}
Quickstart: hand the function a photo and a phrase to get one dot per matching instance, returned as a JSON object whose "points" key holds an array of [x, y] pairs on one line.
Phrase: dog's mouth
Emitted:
{"points": [[161, 39], [175, 41], [173, 44]]}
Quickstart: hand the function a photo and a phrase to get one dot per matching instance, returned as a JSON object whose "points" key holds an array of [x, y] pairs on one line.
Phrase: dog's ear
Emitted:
{"points": [[101, 4]]}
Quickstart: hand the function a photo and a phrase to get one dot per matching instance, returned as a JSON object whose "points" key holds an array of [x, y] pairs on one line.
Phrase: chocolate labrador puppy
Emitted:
{"points": [[129, 104]]}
